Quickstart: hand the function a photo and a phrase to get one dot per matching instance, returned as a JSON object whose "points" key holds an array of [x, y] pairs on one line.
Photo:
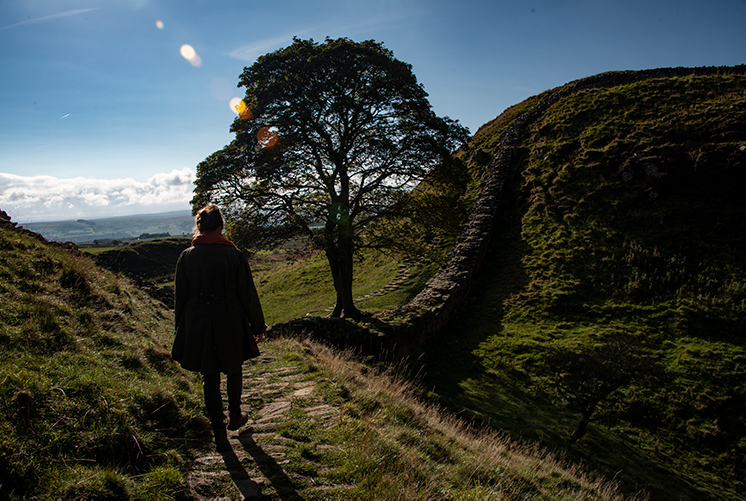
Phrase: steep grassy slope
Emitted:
{"points": [[611, 317], [91, 404]]}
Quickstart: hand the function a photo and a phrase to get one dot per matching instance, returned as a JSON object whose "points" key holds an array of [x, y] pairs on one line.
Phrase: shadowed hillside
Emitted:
{"points": [[153, 261], [607, 316], [150, 264]]}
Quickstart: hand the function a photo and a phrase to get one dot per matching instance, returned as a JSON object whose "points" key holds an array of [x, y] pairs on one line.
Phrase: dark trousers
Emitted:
{"points": [[214, 398]]}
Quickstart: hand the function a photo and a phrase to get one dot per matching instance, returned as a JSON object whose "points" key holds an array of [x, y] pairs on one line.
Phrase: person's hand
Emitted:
{"points": [[260, 337]]}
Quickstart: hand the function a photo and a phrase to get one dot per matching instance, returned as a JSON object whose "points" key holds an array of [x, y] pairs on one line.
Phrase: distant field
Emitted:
{"points": [[98, 249], [124, 228]]}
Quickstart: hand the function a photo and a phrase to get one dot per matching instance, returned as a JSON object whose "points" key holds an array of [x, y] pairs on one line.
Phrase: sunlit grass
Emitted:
{"points": [[297, 288], [386, 443]]}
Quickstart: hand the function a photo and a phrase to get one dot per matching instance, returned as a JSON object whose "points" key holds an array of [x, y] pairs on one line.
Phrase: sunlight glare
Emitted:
{"points": [[267, 137], [188, 53], [238, 106], [159, 24]]}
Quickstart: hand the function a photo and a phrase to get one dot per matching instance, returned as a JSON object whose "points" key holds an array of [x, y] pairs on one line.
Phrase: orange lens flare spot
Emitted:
{"points": [[239, 108], [188, 53], [268, 137], [159, 24]]}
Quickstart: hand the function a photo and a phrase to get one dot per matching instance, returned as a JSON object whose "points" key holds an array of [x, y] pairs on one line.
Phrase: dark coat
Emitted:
{"points": [[217, 310]]}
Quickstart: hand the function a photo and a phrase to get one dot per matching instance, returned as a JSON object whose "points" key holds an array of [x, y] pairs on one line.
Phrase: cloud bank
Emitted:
{"points": [[49, 198]]}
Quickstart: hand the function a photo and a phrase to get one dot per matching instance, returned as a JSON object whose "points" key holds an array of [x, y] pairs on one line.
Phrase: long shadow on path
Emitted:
{"points": [[247, 487], [266, 464]]}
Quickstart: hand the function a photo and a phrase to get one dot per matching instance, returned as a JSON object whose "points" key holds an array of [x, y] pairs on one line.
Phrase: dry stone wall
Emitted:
{"points": [[444, 295], [403, 332]]}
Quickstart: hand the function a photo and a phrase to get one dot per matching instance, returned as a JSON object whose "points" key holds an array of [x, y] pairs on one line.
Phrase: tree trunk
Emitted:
{"points": [[582, 427], [340, 262], [585, 418]]}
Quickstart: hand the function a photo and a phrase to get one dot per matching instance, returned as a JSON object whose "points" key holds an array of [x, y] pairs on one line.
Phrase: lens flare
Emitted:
{"points": [[238, 106], [159, 24], [188, 53], [267, 137]]}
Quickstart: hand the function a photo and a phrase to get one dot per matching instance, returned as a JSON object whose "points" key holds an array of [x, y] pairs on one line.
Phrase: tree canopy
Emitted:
{"points": [[329, 137]]}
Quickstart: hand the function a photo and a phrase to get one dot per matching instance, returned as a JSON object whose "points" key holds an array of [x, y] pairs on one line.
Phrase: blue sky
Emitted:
{"points": [[101, 115]]}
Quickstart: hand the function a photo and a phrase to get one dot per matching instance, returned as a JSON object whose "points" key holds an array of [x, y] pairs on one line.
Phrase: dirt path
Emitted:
{"points": [[254, 466]]}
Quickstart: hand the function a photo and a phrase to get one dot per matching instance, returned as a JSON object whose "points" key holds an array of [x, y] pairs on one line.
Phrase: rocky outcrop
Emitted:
{"points": [[6, 223]]}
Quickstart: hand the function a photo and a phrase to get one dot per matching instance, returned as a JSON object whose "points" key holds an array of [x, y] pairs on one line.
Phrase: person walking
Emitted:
{"points": [[219, 318]]}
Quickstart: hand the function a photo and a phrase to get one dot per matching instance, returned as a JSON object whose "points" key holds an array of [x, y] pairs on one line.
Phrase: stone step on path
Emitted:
{"points": [[254, 463]]}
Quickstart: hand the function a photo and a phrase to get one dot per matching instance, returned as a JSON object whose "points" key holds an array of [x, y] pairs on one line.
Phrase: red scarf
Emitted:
{"points": [[212, 237]]}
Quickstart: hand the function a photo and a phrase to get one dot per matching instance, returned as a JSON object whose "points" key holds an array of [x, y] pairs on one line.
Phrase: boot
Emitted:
{"points": [[238, 419], [221, 439]]}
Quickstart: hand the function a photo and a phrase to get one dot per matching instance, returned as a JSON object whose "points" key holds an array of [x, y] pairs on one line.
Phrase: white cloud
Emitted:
{"points": [[381, 16], [48, 18], [49, 198], [250, 52]]}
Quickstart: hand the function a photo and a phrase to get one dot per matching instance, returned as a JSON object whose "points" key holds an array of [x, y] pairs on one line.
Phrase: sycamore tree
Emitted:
{"points": [[329, 137]]}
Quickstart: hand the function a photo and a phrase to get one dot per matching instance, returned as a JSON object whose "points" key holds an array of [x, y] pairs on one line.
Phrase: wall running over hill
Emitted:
{"points": [[403, 332], [443, 296]]}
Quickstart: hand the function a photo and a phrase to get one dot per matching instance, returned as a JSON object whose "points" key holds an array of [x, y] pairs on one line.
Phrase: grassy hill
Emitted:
{"points": [[92, 407], [610, 319], [606, 328], [90, 397]]}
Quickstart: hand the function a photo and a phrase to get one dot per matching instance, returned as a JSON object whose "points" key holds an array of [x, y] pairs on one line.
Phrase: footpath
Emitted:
{"points": [[253, 467]]}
